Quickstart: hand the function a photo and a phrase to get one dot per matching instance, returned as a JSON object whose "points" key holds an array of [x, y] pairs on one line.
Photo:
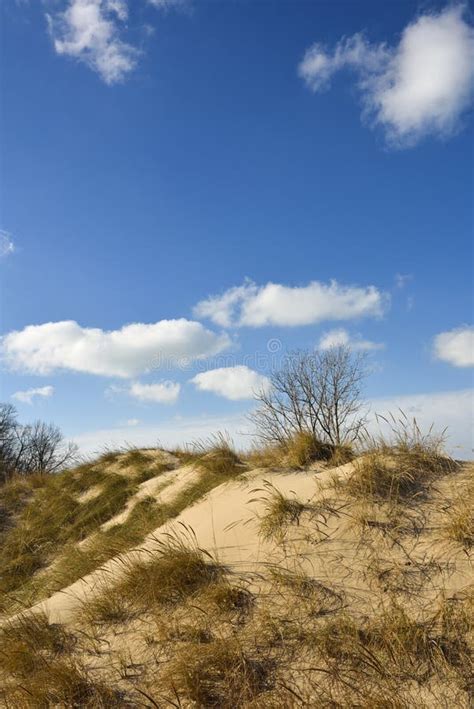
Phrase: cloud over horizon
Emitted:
{"points": [[419, 87], [275, 304], [234, 383], [133, 350], [27, 396], [455, 346]]}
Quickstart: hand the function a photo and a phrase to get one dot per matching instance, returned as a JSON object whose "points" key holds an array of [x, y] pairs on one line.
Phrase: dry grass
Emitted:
{"points": [[54, 518], [300, 451], [280, 512], [317, 597], [402, 469], [193, 634], [176, 570], [222, 675], [37, 668], [216, 457], [459, 526]]}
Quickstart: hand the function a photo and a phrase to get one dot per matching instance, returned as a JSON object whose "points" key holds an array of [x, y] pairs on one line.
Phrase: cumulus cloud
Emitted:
{"points": [[134, 349], [7, 246], [132, 422], [162, 392], [337, 337], [90, 31], [275, 304], [419, 87], [233, 383], [456, 346], [27, 397]]}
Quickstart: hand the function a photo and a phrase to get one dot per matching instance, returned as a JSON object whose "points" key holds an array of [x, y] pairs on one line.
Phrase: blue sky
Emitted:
{"points": [[155, 155]]}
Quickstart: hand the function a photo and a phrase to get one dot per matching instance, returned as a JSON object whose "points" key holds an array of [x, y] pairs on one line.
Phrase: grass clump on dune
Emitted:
{"points": [[280, 512], [402, 469], [459, 525], [37, 668], [221, 674], [175, 571], [299, 451], [217, 458], [25, 641]]}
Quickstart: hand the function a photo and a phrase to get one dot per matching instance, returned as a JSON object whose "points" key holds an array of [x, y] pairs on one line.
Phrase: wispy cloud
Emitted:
{"points": [[128, 352], [276, 304], [456, 346], [7, 246], [232, 383], [419, 87], [27, 397], [402, 279], [91, 31], [337, 337]]}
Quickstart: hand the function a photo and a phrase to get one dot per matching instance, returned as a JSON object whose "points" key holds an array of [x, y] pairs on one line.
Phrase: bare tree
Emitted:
{"points": [[8, 438], [34, 448], [316, 392]]}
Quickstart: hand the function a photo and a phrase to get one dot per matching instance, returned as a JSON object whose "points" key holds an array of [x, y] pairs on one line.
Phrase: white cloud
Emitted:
{"points": [[233, 383], [275, 304], [421, 86], [161, 393], [128, 352], [7, 246], [132, 422], [456, 346], [89, 30], [335, 338], [27, 396]]}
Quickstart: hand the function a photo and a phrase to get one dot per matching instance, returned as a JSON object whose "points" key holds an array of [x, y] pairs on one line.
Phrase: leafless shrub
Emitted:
{"points": [[316, 393], [35, 448]]}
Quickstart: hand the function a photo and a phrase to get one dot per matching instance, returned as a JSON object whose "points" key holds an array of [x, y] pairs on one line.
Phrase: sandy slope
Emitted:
{"points": [[226, 523]]}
